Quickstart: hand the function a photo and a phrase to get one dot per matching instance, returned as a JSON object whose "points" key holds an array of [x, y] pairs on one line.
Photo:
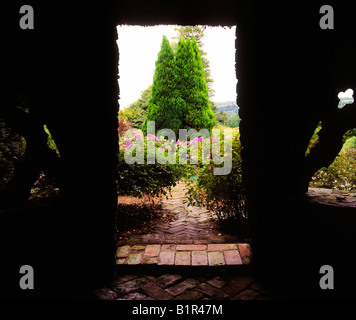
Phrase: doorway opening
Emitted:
{"points": [[180, 178]]}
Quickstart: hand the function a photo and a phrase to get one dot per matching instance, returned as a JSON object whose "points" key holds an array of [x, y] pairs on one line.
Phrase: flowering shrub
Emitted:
{"points": [[197, 161], [138, 179], [222, 194], [123, 126]]}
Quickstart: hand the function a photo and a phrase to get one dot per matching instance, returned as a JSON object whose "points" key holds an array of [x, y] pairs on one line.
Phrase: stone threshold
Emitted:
{"points": [[185, 254]]}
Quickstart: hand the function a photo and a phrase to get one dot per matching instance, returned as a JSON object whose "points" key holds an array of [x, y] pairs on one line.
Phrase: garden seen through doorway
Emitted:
{"points": [[183, 128]]}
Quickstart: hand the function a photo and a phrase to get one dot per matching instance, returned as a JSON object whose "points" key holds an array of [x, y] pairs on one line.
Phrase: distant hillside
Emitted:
{"points": [[227, 113], [229, 107]]}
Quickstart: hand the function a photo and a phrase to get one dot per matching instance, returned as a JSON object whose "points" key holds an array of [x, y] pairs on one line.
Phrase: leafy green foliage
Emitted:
{"points": [[222, 194], [350, 143], [190, 32], [221, 117], [348, 134], [192, 86], [341, 174], [50, 142], [226, 113], [166, 106], [180, 98], [136, 113], [146, 179], [233, 121], [314, 139], [227, 120]]}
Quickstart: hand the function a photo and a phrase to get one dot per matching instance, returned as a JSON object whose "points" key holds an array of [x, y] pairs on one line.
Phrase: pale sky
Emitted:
{"points": [[139, 47]]}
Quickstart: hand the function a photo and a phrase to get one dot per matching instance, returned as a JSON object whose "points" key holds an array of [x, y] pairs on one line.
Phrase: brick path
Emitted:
{"points": [[184, 254], [183, 286], [185, 259], [189, 225], [191, 238]]}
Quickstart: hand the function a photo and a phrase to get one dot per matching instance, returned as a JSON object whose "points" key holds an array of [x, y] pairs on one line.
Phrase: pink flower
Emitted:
{"points": [[195, 146], [228, 137], [197, 171], [209, 155], [187, 155], [213, 139], [156, 139], [209, 168], [128, 143], [123, 147], [138, 137], [195, 166]]}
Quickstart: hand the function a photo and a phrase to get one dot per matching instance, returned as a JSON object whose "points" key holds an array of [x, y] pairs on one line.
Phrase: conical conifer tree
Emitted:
{"points": [[192, 86], [190, 32], [166, 107]]}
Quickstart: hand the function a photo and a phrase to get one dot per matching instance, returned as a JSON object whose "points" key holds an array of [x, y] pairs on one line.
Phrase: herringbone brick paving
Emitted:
{"points": [[190, 241], [178, 286], [190, 225]]}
